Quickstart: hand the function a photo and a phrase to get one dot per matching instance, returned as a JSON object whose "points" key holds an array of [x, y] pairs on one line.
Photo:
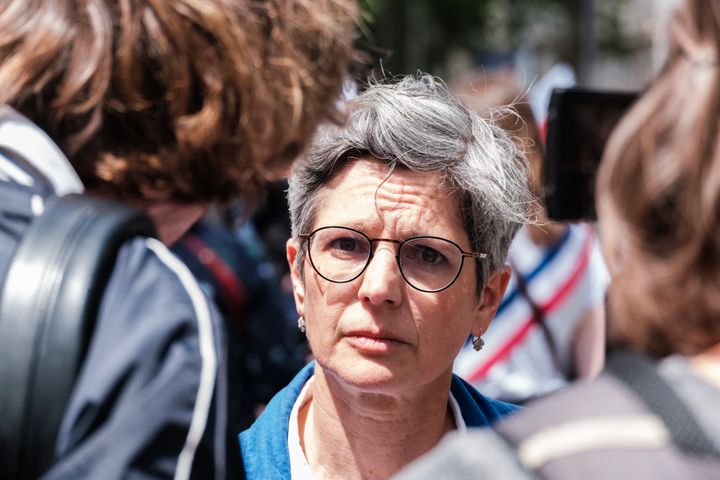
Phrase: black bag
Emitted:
{"points": [[48, 305]]}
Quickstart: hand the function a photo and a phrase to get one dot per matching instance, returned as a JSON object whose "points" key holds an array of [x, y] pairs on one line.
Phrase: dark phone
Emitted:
{"points": [[579, 124]]}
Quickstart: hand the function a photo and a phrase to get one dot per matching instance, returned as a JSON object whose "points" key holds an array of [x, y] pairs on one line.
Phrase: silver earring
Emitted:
{"points": [[478, 343], [301, 324]]}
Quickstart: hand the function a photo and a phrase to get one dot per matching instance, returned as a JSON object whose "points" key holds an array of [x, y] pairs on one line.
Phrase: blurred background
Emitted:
{"points": [[610, 44]]}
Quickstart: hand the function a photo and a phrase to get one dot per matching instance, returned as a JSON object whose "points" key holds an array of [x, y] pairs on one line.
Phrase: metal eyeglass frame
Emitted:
{"points": [[307, 237]]}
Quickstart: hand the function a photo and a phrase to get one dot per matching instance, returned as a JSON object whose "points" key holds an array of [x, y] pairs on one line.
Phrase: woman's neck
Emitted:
{"points": [[350, 434]]}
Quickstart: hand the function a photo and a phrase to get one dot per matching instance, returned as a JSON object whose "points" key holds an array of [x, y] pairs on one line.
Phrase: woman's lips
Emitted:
{"points": [[373, 343]]}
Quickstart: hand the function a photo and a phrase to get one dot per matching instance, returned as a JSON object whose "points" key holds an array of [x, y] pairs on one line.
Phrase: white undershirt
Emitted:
{"points": [[299, 466]]}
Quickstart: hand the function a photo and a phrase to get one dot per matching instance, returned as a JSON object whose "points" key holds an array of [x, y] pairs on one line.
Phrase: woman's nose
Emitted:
{"points": [[382, 280]]}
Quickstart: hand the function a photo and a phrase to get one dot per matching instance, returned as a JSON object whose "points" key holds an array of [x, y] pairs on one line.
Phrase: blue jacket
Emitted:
{"points": [[264, 445]]}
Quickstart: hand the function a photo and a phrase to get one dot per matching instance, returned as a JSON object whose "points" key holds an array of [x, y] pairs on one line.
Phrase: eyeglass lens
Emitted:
{"points": [[427, 263]]}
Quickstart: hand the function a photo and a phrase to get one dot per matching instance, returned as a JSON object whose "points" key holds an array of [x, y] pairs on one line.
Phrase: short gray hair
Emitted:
{"points": [[415, 123]]}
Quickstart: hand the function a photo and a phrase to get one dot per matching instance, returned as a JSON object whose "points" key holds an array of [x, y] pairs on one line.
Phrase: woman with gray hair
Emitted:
{"points": [[401, 222]]}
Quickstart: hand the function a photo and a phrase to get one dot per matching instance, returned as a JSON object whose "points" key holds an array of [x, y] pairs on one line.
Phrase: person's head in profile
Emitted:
{"points": [[401, 219], [658, 199], [172, 105]]}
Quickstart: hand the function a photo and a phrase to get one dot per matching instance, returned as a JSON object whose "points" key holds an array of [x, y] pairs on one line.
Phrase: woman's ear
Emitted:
{"points": [[490, 300], [291, 250]]}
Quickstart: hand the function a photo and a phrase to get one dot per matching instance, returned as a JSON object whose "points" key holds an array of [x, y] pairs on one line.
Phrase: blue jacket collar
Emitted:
{"points": [[264, 445], [478, 410]]}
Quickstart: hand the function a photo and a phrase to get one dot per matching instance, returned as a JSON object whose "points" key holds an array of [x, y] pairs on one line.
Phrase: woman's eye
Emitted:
{"points": [[423, 256], [345, 244], [431, 256]]}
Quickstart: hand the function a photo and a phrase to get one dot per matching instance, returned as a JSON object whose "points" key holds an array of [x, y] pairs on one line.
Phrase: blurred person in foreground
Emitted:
{"points": [[401, 222], [658, 199], [549, 328], [167, 106]]}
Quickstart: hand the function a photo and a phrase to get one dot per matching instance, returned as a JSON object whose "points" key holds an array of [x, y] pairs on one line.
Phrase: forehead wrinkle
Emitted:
{"points": [[388, 200], [393, 196]]}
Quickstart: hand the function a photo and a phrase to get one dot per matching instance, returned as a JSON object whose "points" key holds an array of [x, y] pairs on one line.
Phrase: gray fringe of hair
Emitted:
{"points": [[417, 124]]}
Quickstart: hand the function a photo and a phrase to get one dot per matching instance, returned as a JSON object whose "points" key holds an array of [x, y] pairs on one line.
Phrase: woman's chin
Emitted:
{"points": [[368, 374]]}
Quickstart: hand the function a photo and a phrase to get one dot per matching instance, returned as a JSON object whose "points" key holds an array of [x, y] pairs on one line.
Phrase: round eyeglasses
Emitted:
{"points": [[429, 264]]}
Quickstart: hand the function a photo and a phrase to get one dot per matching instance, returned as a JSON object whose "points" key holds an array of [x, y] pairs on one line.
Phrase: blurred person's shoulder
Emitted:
{"points": [[150, 374], [476, 453], [700, 397], [150, 282], [154, 316], [604, 428], [500, 452]]}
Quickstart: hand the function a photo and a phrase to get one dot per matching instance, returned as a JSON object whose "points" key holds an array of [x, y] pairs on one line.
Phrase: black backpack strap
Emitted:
{"points": [[638, 373], [48, 305]]}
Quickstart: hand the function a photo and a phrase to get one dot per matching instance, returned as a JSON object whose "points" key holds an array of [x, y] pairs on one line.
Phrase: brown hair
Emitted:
{"points": [[189, 100], [658, 199]]}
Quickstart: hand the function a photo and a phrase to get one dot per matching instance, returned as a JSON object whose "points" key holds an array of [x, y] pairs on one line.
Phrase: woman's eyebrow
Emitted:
{"points": [[356, 224], [361, 225]]}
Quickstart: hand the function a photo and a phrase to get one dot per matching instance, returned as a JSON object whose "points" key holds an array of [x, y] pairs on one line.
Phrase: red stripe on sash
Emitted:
{"points": [[554, 302], [232, 289]]}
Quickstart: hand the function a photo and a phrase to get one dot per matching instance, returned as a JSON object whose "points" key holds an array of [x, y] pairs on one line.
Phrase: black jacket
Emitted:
{"points": [[151, 398]]}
